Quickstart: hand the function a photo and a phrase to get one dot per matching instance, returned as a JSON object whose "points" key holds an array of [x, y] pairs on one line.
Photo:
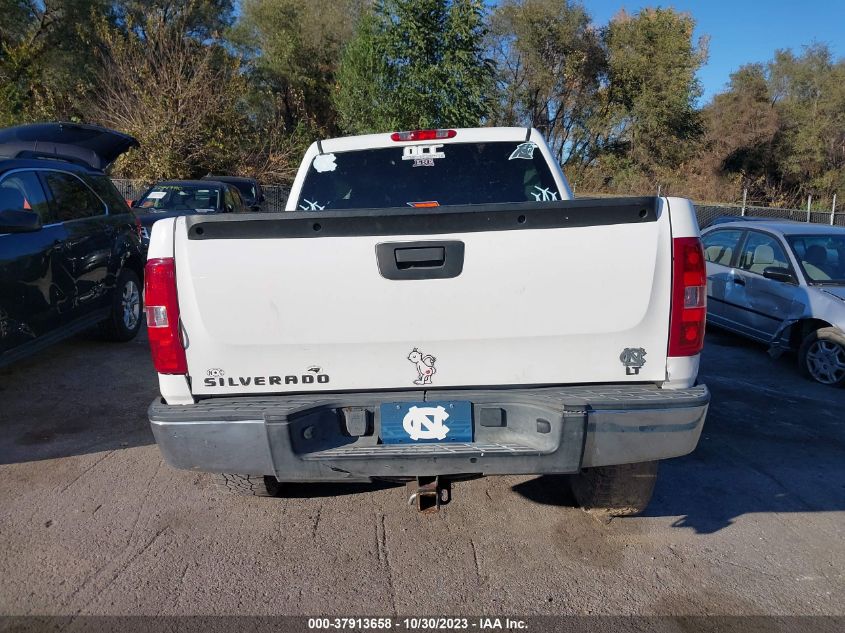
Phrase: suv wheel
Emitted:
{"points": [[822, 356], [615, 491], [126, 312]]}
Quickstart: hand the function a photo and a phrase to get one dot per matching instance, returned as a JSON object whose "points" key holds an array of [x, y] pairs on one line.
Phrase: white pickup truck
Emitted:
{"points": [[434, 305]]}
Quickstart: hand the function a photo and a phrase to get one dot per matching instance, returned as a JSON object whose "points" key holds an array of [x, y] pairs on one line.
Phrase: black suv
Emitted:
{"points": [[249, 188], [70, 253]]}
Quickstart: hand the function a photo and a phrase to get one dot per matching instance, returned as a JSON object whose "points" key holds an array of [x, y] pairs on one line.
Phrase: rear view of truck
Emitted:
{"points": [[434, 306]]}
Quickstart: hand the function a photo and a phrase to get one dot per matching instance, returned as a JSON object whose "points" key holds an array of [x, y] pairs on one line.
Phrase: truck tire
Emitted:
{"points": [[822, 356], [126, 314], [249, 485], [615, 491]]}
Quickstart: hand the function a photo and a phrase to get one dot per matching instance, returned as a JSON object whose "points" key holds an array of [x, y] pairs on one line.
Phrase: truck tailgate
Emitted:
{"points": [[550, 293]]}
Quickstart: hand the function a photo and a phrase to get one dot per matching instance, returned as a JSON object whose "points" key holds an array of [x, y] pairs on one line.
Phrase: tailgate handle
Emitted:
{"points": [[420, 260], [420, 257]]}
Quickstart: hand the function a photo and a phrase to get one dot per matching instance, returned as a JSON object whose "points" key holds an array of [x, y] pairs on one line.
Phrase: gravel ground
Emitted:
{"points": [[93, 522]]}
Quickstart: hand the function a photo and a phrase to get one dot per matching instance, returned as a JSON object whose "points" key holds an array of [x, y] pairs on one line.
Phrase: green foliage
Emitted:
{"points": [[293, 50], [779, 129], [200, 19], [415, 64], [652, 66], [46, 66], [809, 94], [205, 89], [742, 124], [359, 99], [618, 105], [178, 96], [551, 74]]}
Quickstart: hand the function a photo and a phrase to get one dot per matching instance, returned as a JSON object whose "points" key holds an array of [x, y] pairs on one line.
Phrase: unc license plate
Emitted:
{"points": [[426, 422]]}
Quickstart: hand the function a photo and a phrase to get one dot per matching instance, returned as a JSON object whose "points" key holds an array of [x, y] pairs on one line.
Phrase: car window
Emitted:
{"points": [[822, 257], [434, 174], [247, 191], [720, 246], [240, 205], [104, 188], [229, 200], [762, 251], [22, 190], [72, 199], [178, 197]]}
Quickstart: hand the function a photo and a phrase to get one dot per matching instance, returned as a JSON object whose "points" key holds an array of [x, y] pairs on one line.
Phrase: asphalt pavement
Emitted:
{"points": [[92, 521]]}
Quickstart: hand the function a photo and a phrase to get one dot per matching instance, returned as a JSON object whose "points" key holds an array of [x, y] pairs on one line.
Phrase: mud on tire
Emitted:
{"points": [[249, 485], [615, 491]]}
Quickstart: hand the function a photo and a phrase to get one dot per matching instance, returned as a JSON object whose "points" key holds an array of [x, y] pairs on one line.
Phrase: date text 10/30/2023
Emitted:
{"points": [[418, 624]]}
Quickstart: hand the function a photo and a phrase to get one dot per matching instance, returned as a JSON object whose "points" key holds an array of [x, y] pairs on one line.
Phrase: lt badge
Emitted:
{"points": [[633, 358]]}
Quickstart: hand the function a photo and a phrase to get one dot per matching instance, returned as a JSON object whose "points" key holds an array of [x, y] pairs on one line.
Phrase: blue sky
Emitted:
{"points": [[743, 31]]}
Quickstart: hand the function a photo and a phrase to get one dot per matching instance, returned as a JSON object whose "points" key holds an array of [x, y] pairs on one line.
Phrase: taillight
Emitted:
{"points": [[422, 135], [162, 309], [689, 297]]}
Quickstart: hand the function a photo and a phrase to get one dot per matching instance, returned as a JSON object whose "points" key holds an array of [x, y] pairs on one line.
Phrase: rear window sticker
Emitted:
{"points": [[543, 195], [156, 195], [422, 155], [311, 206], [524, 150], [325, 162]]}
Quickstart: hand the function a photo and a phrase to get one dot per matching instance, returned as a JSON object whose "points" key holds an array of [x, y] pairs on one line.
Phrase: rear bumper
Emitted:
{"points": [[516, 431]]}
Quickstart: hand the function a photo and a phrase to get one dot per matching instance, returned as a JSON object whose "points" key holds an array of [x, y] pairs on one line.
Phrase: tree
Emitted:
{"points": [[809, 93], [415, 64], [293, 50], [176, 95], [778, 131], [200, 19], [738, 151], [652, 64], [46, 66], [551, 74]]}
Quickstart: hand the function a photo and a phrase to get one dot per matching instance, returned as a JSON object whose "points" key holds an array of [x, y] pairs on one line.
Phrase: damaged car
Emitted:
{"points": [[781, 283], [70, 253]]}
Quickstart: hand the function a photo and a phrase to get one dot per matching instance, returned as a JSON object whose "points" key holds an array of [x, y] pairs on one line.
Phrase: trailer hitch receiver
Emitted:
{"points": [[427, 494]]}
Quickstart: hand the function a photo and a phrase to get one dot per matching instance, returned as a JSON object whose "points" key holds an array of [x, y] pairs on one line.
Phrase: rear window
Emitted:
{"points": [[105, 189], [433, 174], [180, 198], [247, 190]]}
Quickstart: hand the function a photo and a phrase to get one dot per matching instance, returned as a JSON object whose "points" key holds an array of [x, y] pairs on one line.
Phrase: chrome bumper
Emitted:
{"points": [[307, 437]]}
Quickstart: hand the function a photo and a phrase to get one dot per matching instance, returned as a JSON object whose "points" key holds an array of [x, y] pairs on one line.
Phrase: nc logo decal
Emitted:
{"points": [[426, 423]]}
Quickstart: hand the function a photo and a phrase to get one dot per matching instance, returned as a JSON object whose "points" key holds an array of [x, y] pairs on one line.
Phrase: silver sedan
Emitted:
{"points": [[781, 283]]}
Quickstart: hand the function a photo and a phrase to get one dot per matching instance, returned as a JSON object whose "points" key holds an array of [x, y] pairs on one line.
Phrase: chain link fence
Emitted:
{"points": [[709, 212], [130, 189], [276, 196]]}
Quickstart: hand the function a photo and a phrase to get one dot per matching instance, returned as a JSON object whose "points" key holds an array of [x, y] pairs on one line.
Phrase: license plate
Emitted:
{"points": [[426, 422]]}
